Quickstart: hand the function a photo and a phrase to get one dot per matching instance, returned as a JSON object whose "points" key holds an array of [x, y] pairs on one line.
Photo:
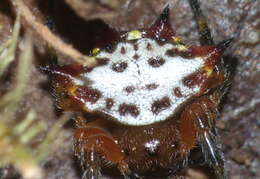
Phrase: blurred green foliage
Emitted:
{"points": [[15, 137]]}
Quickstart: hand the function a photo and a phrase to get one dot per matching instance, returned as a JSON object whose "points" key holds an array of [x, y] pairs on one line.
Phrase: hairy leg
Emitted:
{"points": [[204, 31], [94, 146], [197, 127]]}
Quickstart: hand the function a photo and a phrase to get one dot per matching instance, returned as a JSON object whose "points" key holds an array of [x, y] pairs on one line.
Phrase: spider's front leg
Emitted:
{"points": [[95, 147], [197, 127]]}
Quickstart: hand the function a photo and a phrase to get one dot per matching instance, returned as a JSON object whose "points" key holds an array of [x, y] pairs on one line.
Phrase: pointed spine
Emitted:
{"points": [[161, 29]]}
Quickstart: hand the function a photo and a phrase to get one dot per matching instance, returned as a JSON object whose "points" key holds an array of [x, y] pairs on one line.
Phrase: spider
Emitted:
{"points": [[148, 102]]}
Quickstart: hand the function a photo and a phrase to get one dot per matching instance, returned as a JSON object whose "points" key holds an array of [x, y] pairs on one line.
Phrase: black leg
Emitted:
{"points": [[204, 31]]}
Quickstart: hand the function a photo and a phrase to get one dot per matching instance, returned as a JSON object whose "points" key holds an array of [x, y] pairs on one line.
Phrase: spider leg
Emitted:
{"points": [[92, 170], [204, 31], [211, 148], [95, 146], [197, 128]]}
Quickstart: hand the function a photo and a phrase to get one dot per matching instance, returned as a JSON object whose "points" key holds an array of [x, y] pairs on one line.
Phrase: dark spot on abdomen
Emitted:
{"points": [[129, 89], [177, 92], [149, 46], [123, 50], [135, 47], [136, 56], [87, 94], [156, 62], [119, 67], [151, 86], [109, 103], [131, 109], [171, 53], [160, 105]]}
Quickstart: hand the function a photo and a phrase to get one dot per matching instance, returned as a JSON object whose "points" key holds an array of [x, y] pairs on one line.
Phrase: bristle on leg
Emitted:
{"points": [[213, 155], [92, 170]]}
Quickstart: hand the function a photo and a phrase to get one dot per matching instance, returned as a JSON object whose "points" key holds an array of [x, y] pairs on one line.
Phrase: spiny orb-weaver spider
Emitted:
{"points": [[148, 102]]}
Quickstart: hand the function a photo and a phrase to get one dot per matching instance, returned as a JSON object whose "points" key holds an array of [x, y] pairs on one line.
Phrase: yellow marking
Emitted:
{"points": [[176, 39], [95, 51], [181, 47], [208, 70], [134, 34], [72, 90], [202, 24]]}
